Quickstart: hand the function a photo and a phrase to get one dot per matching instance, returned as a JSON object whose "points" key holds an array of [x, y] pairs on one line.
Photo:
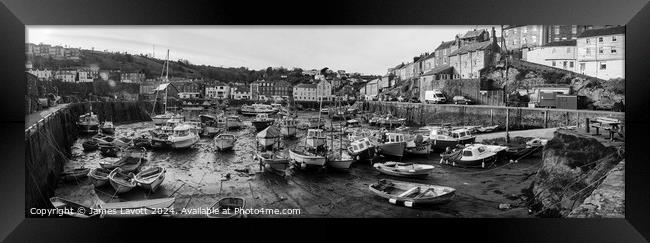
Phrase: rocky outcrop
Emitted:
{"points": [[574, 164], [608, 200]]}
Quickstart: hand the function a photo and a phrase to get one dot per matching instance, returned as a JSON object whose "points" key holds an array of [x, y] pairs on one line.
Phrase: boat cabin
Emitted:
{"points": [[182, 130], [233, 118], [262, 116], [289, 123], [394, 138], [473, 152], [360, 145], [460, 133], [315, 133]]}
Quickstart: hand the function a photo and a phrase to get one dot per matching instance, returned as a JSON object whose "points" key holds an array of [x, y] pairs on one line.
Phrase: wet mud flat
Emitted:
{"points": [[198, 177]]}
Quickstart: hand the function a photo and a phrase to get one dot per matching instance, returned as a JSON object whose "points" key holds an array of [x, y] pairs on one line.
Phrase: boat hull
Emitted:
{"points": [[288, 131], [424, 149], [307, 159], [340, 164], [223, 144], [392, 149], [88, 128], [152, 185], [109, 130], [442, 194], [183, 142], [404, 171], [261, 125], [266, 142], [315, 142]]}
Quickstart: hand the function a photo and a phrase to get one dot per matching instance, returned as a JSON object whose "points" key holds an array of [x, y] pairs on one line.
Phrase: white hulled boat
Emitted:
{"points": [[225, 141], [392, 144], [183, 137]]}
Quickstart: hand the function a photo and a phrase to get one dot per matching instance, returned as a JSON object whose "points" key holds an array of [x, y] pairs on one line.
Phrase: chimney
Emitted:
{"points": [[458, 41], [494, 35]]}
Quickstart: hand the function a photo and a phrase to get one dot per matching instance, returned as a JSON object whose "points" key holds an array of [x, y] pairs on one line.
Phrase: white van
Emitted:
{"points": [[434, 97]]}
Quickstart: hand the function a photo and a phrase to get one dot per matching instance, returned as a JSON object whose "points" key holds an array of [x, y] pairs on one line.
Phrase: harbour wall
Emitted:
{"points": [[518, 117], [48, 144]]}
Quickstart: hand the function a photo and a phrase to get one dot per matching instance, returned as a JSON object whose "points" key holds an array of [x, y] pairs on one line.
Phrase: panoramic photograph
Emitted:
{"points": [[458, 121]]}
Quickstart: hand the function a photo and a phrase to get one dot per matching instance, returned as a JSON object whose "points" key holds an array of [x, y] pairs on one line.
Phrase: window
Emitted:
{"points": [[613, 51], [601, 50], [574, 29], [571, 64], [603, 66], [613, 38], [564, 64], [582, 67], [556, 38], [556, 29], [600, 39], [553, 63]]}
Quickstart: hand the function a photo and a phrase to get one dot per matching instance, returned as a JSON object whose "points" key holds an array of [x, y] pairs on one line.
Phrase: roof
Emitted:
{"points": [[473, 33], [162, 87], [306, 86], [445, 44], [472, 47], [601, 32], [399, 66], [438, 69], [242, 89], [561, 43]]}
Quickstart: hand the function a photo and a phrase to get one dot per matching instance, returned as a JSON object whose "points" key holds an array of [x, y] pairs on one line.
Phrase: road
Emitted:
{"points": [[33, 118]]}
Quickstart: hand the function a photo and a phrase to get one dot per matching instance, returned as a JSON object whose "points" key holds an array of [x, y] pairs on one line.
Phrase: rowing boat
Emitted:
{"points": [[150, 178], [228, 207], [99, 176], [121, 181], [404, 169], [412, 194]]}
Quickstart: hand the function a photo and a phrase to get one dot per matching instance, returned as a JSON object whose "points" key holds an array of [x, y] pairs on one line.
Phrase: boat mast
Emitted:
{"points": [[166, 78]]}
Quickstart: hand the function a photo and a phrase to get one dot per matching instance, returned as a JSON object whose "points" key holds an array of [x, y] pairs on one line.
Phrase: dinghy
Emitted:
{"points": [[90, 145], [121, 181], [75, 174], [412, 194], [99, 176], [228, 207], [150, 178], [127, 163], [404, 169], [225, 141], [305, 158], [72, 209]]}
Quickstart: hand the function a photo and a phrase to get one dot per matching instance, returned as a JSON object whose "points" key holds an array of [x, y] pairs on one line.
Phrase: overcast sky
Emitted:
{"points": [[365, 49]]}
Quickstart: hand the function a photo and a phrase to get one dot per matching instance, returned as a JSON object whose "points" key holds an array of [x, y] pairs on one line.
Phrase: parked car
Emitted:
{"points": [[459, 99]]}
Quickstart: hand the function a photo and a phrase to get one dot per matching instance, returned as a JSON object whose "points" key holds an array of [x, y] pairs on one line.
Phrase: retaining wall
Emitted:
{"points": [[519, 117]]}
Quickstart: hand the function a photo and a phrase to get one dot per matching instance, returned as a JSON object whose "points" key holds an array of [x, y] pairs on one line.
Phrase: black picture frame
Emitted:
{"points": [[635, 14]]}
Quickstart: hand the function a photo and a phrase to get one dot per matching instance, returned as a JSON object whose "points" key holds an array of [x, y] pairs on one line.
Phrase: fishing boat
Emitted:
{"points": [[233, 122], [288, 127], [183, 137], [75, 174], [361, 149], [141, 208], [442, 137], [305, 158], [315, 138], [99, 176], [412, 194], [262, 121], [88, 123], [390, 121], [121, 181], [315, 122], [404, 169], [107, 127], [228, 207], [255, 109], [73, 209], [274, 162], [339, 160], [474, 155], [268, 137], [160, 119], [150, 178], [225, 141], [159, 139], [90, 145], [418, 146], [392, 144]]}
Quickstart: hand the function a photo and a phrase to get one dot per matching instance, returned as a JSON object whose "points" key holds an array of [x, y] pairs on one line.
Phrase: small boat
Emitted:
{"points": [[141, 208], [353, 123], [262, 121], [225, 141], [121, 181], [392, 144], [305, 158], [90, 145], [315, 138], [228, 207], [233, 122], [255, 109], [404, 169], [288, 127], [315, 122], [88, 123], [183, 137], [412, 194], [361, 149], [107, 127], [130, 161], [73, 209], [487, 128], [474, 155], [99, 176], [160, 119], [75, 174], [274, 162], [268, 137], [150, 178], [341, 160]]}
